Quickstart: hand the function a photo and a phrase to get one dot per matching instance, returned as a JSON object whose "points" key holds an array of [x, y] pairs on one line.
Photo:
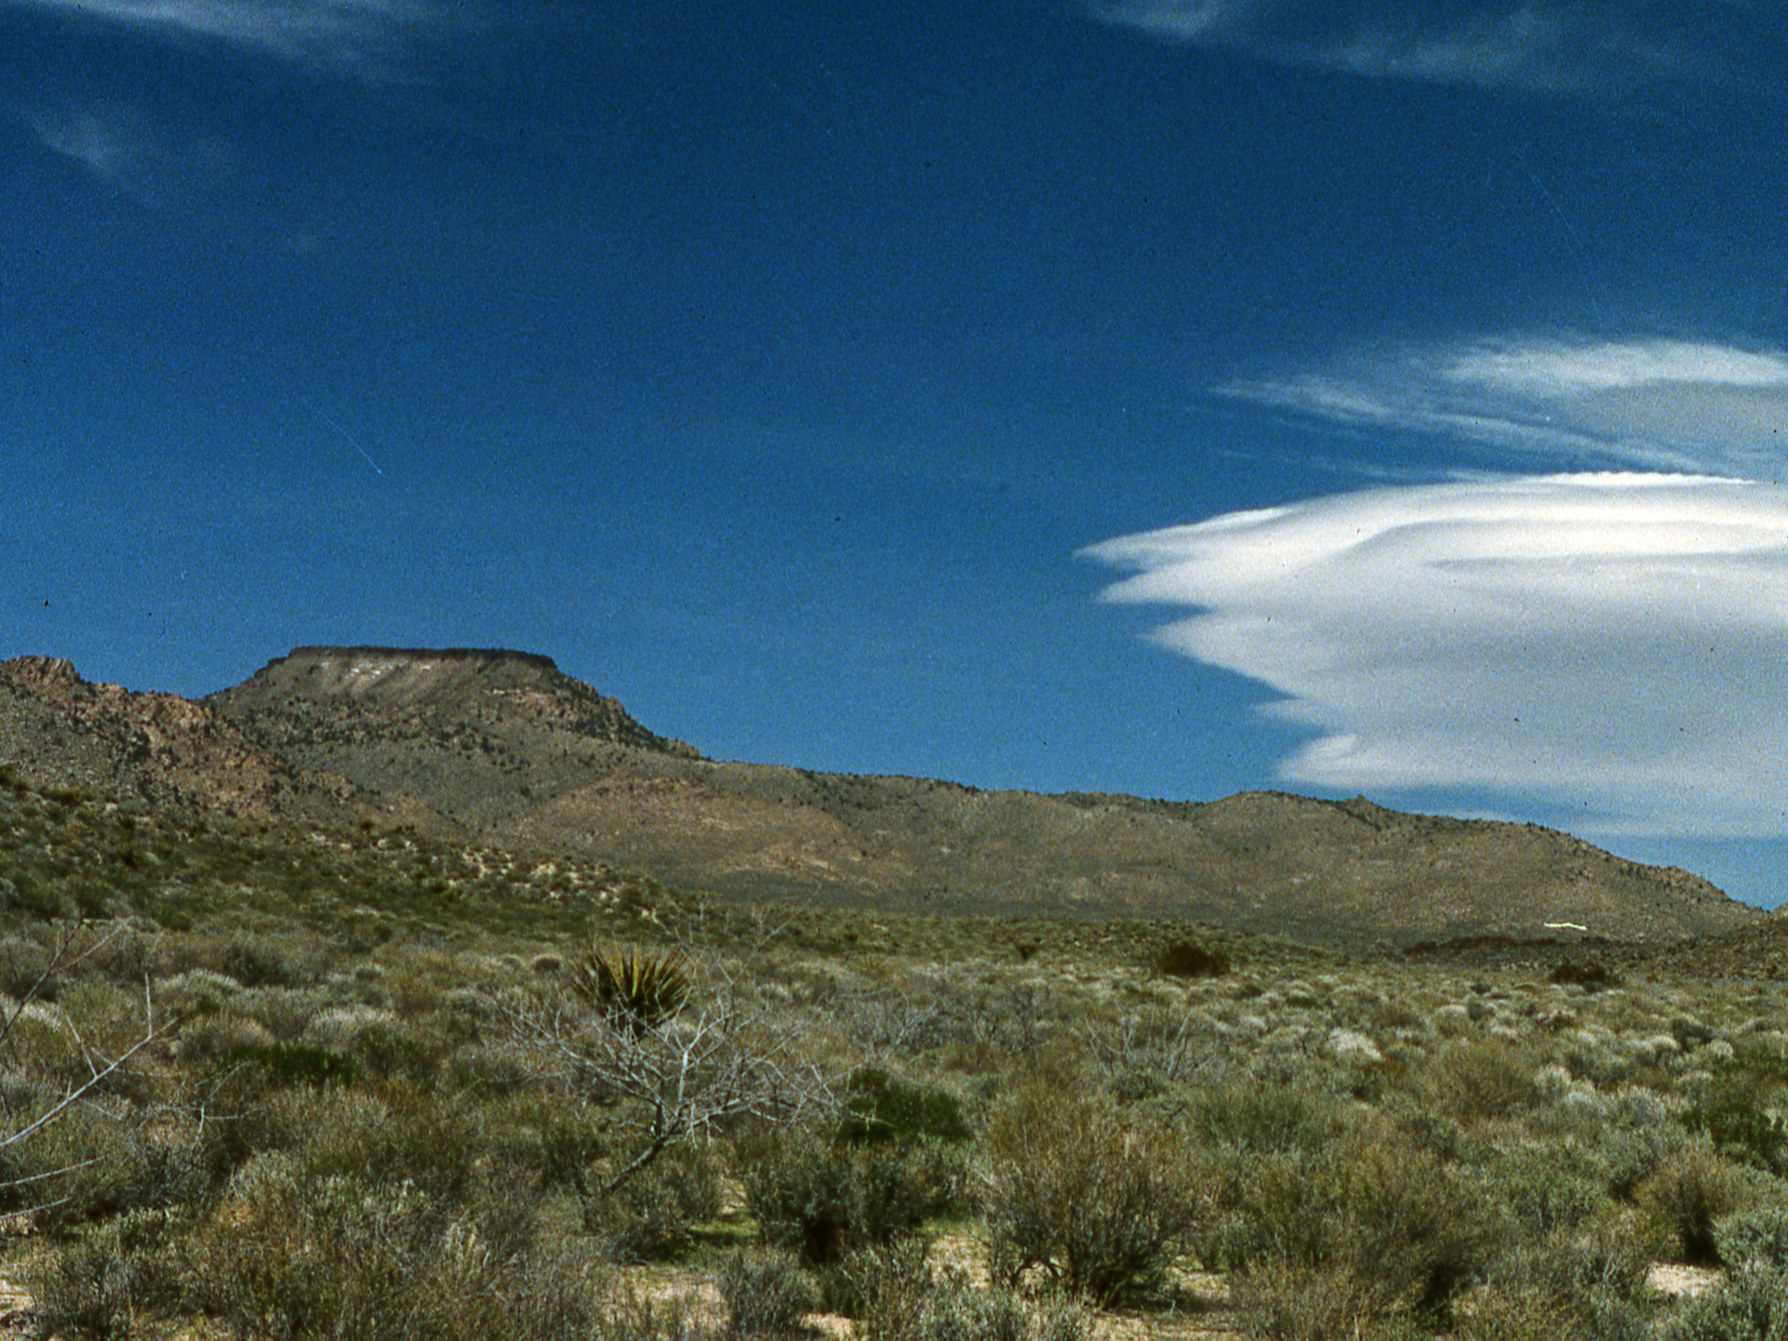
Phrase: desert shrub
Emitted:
{"points": [[489, 1072], [1188, 959], [285, 1012], [764, 1294], [1261, 1117], [649, 1218], [97, 1286], [1093, 1197], [1591, 1281], [1757, 1235], [389, 1053], [296, 1063], [879, 1107], [197, 992], [1548, 1186], [1372, 1215], [1688, 1194], [899, 1297], [640, 1317], [1749, 1305], [24, 965], [1639, 1137], [821, 1198], [400, 1137], [374, 1262], [94, 1163], [1279, 1300], [1741, 1130], [1476, 1080], [246, 1115], [1588, 974], [1516, 1315], [263, 961]]}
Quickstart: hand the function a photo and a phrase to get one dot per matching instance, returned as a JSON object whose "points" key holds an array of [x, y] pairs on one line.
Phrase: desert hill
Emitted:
{"points": [[501, 749]]}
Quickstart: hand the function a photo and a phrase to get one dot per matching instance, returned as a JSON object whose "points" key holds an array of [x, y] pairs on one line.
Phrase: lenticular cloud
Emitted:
{"points": [[1610, 643]]}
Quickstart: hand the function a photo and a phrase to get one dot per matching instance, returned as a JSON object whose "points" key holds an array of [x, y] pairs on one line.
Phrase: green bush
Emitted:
{"points": [[650, 1217], [1757, 1235], [821, 1199], [296, 1063], [1590, 1281], [97, 1286], [899, 1297], [1688, 1194], [1587, 974], [1548, 1186], [1253, 1116], [1479, 1080], [879, 1107], [1377, 1227], [1749, 1305], [1187, 959], [290, 1256], [90, 1164], [764, 1294], [1094, 1198]]}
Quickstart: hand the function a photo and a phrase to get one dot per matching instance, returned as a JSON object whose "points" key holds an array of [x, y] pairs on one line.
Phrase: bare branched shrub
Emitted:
{"points": [[87, 1069], [676, 1079]]}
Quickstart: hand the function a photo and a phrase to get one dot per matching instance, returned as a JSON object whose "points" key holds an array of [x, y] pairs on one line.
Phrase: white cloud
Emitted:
{"points": [[1662, 404], [1609, 645], [360, 37], [1557, 47]]}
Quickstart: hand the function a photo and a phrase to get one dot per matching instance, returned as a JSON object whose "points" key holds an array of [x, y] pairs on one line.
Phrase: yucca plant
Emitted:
{"points": [[644, 988]]}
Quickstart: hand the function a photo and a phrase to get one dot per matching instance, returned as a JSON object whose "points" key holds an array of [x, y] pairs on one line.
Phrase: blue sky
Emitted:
{"points": [[1168, 396]]}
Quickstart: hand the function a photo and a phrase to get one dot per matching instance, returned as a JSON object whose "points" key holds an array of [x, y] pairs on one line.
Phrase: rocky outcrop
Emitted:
{"points": [[60, 730]]}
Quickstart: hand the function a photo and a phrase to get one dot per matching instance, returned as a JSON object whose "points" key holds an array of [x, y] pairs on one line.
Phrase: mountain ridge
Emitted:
{"points": [[495, 747]]}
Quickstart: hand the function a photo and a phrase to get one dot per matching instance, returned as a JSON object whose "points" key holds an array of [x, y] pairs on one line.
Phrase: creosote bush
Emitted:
{"points": [[1188, 959], [1092, 1197], [764, 1294], [1689, 1193], [879, 1107], [1366, 1231], [821, 1198]]}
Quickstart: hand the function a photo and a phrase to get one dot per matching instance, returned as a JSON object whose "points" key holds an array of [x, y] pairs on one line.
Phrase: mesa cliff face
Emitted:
{"points": [[501, 749], [329, 687]]}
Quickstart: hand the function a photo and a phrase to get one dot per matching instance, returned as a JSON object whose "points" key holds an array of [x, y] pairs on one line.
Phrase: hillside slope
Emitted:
{"points": [[501, 749]]}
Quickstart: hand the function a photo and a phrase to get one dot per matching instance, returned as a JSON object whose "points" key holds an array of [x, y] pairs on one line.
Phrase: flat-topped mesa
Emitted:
{"points": [[463, 683], [393, 674]]}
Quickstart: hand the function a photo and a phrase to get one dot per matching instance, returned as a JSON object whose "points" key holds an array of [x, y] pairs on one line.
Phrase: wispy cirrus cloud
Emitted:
{"points": [[1658, 403], [1604, 645], [1530, 46], [128, 149], [366, 38]]}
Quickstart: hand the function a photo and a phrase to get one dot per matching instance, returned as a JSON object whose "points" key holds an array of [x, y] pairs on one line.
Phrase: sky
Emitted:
{"points": [[1172, 397]]}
